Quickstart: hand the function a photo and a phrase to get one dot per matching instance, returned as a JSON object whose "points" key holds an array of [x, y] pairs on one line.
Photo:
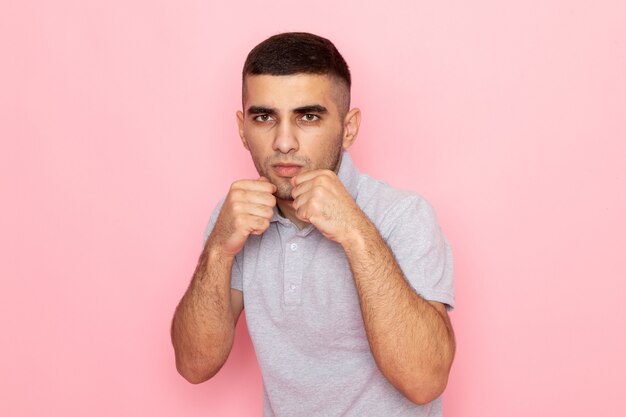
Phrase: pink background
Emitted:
{"points": [[118, 137]]}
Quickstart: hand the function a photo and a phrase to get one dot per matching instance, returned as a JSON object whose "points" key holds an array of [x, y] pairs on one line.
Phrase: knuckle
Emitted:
{"points": [[262, 223], [264, 210], [269, 212], [236, 194], [265, 198], [235, 185], [236, 207], [315, 205], [318, 190], [239, 222]]}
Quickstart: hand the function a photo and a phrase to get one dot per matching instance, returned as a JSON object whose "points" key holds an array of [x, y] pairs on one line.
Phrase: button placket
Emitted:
{"points": [[293, 273]]}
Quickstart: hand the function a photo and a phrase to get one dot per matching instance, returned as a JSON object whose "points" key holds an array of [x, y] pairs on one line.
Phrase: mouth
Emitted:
{"points": [[287, 170]]}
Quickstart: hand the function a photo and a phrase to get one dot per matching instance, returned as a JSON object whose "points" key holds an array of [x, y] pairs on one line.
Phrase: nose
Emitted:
{"points": [[285, 140]]}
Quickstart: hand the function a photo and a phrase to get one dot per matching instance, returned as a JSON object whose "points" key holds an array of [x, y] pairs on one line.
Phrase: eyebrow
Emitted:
{"points": [[261, 110], [314, 108]]}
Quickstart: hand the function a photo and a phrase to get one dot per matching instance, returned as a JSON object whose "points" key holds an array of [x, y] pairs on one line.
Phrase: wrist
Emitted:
{"points": [[357, 236], [216, 253]]}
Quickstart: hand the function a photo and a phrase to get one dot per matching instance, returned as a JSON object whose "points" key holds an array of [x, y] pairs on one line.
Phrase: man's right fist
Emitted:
{"points": [[247, 210]]}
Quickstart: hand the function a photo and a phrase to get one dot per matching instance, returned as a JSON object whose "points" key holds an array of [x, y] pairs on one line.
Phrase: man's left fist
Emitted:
{"points": [[320, 198]]}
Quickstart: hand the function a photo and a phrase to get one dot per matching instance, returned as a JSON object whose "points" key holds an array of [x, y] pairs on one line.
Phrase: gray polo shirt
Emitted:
{"points": [[303, 313]]}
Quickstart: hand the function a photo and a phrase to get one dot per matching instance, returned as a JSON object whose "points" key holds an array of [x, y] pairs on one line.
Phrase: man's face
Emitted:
{"points": [[292, 124]]}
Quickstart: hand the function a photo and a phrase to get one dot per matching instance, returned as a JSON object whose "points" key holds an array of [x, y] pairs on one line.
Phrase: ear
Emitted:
{"points": [[241, 135], [351, 124]]}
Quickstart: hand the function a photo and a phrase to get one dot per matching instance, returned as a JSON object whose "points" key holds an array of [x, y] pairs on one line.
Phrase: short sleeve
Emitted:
{"points": [[236, 277], [411, 231]]}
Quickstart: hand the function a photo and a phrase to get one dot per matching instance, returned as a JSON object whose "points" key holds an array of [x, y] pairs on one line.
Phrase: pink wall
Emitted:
{"points": [[118, 137]]}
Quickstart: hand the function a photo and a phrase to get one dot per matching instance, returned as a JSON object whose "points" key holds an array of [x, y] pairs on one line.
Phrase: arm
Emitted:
{"points": [[411, 339], [203, 326]]}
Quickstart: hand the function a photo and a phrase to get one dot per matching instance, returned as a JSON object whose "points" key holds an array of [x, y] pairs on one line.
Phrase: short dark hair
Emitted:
{"points": [[296, 53]]}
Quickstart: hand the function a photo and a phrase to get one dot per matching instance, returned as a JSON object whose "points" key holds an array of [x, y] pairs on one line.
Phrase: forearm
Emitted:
{"points": [[412, 343], [203, 325], [410, 339]]}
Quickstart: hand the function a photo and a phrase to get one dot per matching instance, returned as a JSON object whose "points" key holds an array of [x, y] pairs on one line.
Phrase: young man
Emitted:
{"points": [[346, 280]]}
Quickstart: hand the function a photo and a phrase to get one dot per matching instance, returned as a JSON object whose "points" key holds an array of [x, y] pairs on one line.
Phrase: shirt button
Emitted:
{"points": [[293, 286], [294, 246]]}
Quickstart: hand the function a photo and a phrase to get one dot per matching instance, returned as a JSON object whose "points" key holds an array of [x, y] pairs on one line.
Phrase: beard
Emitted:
{"points": [[330, 161]]}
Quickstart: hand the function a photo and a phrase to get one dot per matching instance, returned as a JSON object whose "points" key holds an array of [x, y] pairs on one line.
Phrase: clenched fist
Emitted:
{"points": [[321, 199], [247, 210]]}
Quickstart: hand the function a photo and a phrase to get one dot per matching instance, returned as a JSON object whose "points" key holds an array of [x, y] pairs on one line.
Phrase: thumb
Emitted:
{"points": [[265, 179]]}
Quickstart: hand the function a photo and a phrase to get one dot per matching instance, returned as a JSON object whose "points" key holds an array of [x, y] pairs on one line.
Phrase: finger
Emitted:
{"points": [[257, 210], [301, 210], [307, 202], [258, 197], [264, 179], [309, 175], [302, 188], [245, 223], [322, 183], [254, 185], [307, 211], [258, 225], [237, 197]]}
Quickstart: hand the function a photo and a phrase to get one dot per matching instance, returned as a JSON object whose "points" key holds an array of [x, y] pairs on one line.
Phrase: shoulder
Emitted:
{"points": [[389, 207], [379, 199]]}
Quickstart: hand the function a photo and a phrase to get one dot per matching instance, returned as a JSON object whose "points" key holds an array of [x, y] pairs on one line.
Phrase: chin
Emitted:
{"points": [[284, 193], [284, 189]]}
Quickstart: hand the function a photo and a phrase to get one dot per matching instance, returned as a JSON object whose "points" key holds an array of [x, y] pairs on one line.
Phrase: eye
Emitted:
{"points": [[263, 118], [310, 117]]}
